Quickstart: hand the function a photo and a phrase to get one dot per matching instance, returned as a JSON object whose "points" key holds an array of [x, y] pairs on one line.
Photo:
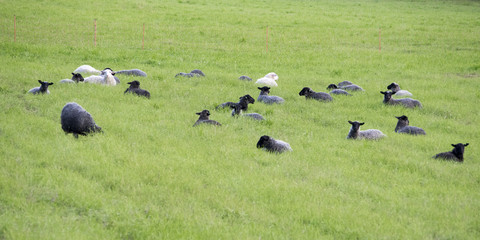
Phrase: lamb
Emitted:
{"points": [[309, 93], [204, 118], [193, 73], [370, 134], [272, 145], [395, 88], [106, 77], [237, 111], [455, 155], [135, 89], [77, 120], [245, 78], [406, 102], [337, 91], [42, 89], [244, 101], [263, 97], [76, 77], [269, 80], [403, 127]]}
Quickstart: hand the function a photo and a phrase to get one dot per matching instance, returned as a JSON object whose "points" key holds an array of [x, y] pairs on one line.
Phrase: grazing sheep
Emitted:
{"points": [[263, 97], [406, 102], [244, 101], [237, 111], [272, 145], [77, 120], [269, 80], [344, 83], [395, 88], [42, 89], [135, 89], [76, 77], [455, 155], [309, 93], [337, 91], [204, 118], [370, 134], [106, 77], [193, 73], [245, 78], [403, 127]]}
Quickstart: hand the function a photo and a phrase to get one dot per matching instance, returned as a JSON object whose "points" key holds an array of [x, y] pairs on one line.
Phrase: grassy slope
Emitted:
{"points": [[151, 175]]}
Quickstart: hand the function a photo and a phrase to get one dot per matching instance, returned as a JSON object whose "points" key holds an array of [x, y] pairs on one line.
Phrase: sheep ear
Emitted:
{"points": [[361, 123], [453, 145], [382, 92], [73, 74], [259, 88], [466, 144], [40, 81], [397, 117], [50, 83], [350, 122], [198, 113]]}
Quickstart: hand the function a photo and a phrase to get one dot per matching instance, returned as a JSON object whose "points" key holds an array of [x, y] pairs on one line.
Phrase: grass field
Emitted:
{"points": [[151, 175]]}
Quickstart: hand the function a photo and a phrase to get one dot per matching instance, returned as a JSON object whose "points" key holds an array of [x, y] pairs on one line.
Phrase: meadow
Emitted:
{"points": [[151, 175]]}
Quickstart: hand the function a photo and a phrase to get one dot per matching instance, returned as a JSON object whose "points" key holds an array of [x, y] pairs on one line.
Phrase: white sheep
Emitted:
{"points": [[87, 69], [370, 134], [269, 80], [106, 77], [272, 145]]}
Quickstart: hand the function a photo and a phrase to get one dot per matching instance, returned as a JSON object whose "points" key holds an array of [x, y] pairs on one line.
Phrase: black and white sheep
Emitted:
{"points": [[394, 87], [246, 78], [42, 89], [335, 90], [406, 102], [265, 98], [205, 118], [193, 73], [370, 134], [310, 94], [135, 89], [237, 111], [76, 120], [403, 127], [455, 155], [76, 77], [243, 102], [272, 145]]}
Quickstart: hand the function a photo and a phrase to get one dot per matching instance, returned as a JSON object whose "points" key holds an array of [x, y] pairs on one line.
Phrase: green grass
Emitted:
{"points": [[151, 175]]}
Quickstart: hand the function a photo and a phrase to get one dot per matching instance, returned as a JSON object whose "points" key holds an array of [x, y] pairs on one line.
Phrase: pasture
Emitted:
{"points": [[151, 175]]}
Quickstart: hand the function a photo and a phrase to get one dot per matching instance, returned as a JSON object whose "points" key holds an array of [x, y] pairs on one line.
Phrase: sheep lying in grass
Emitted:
{"points": [[42, 89], [237, 111], [87, 69], [265, 98], [349, 86], [77, 120], [403, 127], [205, 118], [370, 134], [406, 102], [244, 101], [455, 155], [344, 83], [269, 80], [272, 145], [245, 78], [395, 88], [135, 89], [337, 91], [132, 72], [106, 77], [76, 77], [193, 73], [310, 94]]}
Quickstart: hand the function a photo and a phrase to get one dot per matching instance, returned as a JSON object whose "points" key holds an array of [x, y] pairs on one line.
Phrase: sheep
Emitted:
{"points": [[135, 88], [269, 80], [106, 77], [395, 88], [309, 93], [406, 102], [403, 127], [352, 87], [344, 83], [42, 89], [193, 73], [272, 145], [78, 121], [337, 91], [455, 155], [133, 72], [87, 69], [263, 97], [76, 77], [204, 118], [244, 101], [245, 78], [237, 111], [370, 134]]}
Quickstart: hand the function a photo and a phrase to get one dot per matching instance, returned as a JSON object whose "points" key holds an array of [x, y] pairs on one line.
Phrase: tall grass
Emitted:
{"points": [[151, 175]]}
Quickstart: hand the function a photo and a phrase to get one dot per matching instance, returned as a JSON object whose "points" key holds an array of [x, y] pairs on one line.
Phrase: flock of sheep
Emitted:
{"points": [[76, 120]]}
